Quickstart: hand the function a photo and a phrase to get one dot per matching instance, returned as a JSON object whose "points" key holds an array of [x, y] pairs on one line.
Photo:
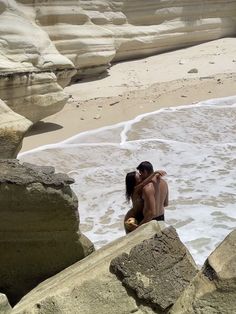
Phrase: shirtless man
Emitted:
{"points": [[154, 194]]}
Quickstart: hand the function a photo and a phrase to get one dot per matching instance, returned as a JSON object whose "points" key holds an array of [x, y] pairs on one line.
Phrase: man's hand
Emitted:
{"points": [[161, 173]]}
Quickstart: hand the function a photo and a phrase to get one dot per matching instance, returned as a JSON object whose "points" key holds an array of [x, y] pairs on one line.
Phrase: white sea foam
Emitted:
{"points": [[195, 144]]}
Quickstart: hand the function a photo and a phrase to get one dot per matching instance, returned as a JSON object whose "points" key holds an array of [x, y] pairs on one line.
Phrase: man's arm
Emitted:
{"points": [[149, 203], [158, 173]]}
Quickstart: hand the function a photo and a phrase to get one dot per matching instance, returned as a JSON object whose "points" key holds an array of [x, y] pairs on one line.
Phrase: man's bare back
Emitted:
{"points": [[155, 196], [161, 196]]}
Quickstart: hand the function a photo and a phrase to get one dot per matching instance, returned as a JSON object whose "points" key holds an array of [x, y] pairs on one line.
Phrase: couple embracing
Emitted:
{"points": [[149, 195]]}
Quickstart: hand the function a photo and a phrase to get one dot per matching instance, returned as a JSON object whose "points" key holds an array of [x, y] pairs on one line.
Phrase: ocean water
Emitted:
{"points": [[195, 144]]}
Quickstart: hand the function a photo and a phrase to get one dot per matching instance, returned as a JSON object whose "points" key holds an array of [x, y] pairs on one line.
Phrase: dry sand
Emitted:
{"points": [[139, 86]]}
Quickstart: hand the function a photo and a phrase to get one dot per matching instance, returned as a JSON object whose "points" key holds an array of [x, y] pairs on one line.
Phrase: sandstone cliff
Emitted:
{"points": [[28, 64], [44, 43]]}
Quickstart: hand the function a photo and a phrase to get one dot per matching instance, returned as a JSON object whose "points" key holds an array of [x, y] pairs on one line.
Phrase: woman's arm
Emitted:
{"points": [[157, 173]]}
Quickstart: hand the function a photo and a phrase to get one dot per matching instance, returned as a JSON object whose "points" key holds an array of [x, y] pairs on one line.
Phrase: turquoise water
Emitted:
{"points": [[195, 144]]}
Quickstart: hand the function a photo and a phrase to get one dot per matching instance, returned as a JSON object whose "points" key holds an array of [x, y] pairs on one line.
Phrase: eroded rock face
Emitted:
{"points": [[44, 44], [33, 95], [12, 130], [39, 226], [25, 47], [29, 63], [94, 33], [5, 307], [213, 290], [156, 270], [89, 287]]}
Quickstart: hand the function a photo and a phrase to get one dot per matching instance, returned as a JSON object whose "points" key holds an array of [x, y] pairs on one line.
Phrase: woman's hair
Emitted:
{"points": [[130, 182]]}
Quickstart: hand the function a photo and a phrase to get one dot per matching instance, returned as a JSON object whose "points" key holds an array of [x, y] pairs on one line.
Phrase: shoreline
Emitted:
{"points": [[128, 91]]}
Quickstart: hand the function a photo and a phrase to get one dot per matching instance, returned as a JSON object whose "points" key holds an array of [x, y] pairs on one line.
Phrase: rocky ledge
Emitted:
{"points": [[147, 271]]}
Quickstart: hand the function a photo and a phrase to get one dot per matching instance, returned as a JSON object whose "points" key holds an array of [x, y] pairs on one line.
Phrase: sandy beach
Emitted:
{"points": [[131, 88]]}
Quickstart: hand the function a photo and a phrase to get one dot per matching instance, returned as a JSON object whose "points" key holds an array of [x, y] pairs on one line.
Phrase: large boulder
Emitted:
{"points": [[39, 226], [89, 287], [156, 270], [213, 290], [12, 130]]}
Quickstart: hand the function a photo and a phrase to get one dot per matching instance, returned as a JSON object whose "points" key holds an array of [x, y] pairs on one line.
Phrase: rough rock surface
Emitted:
{"points": [[12, 130], [44, 43], [39, 227], [88, 286], [213, 290], [156, 270], [5, 307]]}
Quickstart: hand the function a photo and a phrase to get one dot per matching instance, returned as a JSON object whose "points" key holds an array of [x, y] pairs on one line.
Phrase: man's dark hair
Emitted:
{"points": [[145, 165]]}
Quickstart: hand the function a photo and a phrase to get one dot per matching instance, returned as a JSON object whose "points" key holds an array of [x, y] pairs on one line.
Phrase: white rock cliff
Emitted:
{"points": [[43, 44]]}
